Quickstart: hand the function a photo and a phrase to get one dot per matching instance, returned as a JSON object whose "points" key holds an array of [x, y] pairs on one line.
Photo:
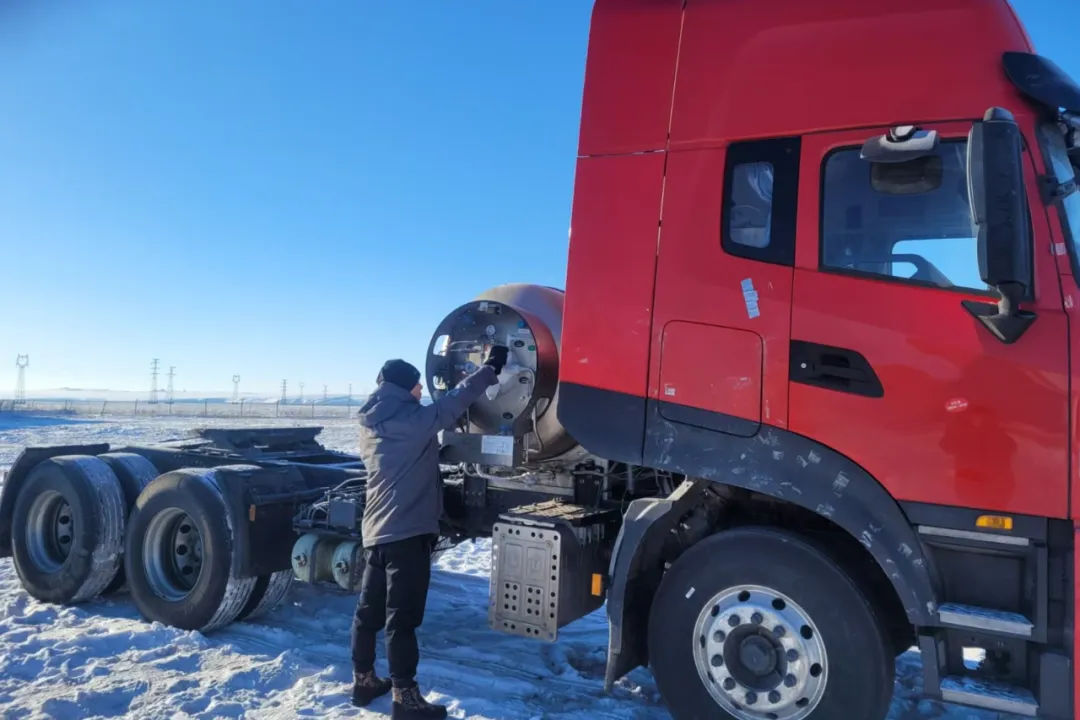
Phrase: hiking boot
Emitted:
{"points": [[409, 704], [367, 687]]}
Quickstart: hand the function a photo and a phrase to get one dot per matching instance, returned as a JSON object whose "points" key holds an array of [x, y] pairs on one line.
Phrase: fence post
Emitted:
{"points": [[277, 409], [242, 407], [312, 408], [103, 404]]}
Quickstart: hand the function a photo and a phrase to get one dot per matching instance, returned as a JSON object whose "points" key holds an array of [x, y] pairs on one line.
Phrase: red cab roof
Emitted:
{"points": [[668, 74]]}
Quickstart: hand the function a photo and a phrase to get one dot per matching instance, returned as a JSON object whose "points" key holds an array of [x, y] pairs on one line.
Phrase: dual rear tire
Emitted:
{"points": [[86, 526], [761, 624]]}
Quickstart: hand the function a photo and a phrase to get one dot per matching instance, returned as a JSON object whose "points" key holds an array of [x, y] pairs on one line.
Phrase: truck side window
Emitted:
{"points": [[761, 190], [906, 221]]}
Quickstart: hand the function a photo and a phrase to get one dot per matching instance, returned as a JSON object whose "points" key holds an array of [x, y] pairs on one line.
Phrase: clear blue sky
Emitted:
{"points": [[284, 189]]}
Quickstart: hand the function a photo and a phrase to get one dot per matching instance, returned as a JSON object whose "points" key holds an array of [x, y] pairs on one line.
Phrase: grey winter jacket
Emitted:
{"points": [[399, 448]]}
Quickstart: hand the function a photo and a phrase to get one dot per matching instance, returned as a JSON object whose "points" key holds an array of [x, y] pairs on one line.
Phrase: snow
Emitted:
{"points": [[101, 659]]}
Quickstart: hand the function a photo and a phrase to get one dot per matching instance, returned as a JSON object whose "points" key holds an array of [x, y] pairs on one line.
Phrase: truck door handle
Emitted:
{"points": [[833, 368]]}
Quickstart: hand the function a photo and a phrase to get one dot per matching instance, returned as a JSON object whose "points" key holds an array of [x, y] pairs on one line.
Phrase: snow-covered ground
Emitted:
{"points": [[102, 660]]}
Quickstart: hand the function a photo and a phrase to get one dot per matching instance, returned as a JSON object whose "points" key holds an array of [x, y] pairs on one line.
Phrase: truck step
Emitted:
{"points": [[989, 695], [996, 621]]}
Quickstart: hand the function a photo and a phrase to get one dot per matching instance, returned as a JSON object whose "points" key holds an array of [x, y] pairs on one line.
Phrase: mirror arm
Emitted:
{"points": [[1005, 320], [1051, 190]]}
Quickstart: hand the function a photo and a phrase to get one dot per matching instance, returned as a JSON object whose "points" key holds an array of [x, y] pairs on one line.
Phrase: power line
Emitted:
{"points": [[153, 381], [21, 363]]}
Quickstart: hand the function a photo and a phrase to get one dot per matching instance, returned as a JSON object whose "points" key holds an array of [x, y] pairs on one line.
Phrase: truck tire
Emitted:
{"points": [[68, 529], [442, 545], [178, 555], [267, 594], [757, 623], [134, 473]]}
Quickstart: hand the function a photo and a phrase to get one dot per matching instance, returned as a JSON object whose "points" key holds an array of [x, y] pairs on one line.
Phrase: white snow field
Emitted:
{"points": [[102, 660]]}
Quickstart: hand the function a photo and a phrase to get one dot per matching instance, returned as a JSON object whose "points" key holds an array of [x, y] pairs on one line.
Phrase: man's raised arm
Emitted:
{"points": [[444, 412]]}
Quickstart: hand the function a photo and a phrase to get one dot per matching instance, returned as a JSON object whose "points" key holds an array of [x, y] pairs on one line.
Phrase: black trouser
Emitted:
{"points": [[393, 594]]}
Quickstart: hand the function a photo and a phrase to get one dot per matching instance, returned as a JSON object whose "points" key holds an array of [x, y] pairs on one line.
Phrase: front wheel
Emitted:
{"points": [[760, 624]]}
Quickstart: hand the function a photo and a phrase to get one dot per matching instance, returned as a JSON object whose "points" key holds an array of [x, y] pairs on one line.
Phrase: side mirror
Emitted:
{"points": [[995, 184]]}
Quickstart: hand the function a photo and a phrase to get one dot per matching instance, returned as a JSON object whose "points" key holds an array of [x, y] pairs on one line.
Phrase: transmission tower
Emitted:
{"points": [[324, 397], [236, 388], [284, 387], [350, 393], [301, 393], [153, 381], [169, 390], [21, 363]]}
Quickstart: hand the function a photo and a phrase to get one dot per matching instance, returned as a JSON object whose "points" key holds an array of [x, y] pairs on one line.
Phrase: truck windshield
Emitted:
{"points": [[1053, 140]]}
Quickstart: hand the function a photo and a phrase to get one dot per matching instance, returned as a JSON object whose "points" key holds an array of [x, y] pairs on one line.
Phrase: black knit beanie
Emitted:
{"points": [[400, 373]]}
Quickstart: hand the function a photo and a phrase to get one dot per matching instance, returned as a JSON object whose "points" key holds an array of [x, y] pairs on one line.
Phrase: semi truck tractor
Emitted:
{"points": [[806, 401]]}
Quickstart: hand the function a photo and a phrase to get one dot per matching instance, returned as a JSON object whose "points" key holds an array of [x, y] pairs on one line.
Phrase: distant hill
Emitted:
{"points": [[189, 396]]}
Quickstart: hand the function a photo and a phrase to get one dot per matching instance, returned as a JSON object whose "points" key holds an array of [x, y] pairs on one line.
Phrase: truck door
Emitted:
{"points": [[723, 286], [889, 368]]}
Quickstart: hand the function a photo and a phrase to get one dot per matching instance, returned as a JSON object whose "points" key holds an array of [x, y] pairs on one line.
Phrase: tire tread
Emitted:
{"points": [[237, 590], [277, 588], [106, 556]]}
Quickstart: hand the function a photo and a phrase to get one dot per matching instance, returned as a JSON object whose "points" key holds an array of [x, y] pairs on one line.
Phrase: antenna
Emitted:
{"points": [[21, 363], [236, 388], [169, 391], [284, 395], [301, 393], [153, 381]]}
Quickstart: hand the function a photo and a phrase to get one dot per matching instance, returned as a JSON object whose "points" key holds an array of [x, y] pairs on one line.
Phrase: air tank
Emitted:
{"points": [[528, 320]]}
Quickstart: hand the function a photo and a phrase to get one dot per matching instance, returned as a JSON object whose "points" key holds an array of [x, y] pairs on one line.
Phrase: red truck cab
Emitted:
{"points": [[777, 284]]}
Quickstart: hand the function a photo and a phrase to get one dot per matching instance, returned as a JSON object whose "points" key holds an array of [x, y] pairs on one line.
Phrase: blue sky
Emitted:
{"points": [[282, 189]]}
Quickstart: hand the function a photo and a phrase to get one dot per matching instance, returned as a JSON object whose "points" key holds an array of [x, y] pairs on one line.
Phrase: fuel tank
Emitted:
{"points": [[528, 320]]}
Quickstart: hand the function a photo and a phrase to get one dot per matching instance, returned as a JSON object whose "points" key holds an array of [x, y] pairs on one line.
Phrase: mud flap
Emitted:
{"points": [[635, 574]]}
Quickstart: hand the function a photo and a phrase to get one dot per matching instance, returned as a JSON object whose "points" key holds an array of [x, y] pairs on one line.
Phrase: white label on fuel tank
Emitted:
{"points": [[750, 297], [497, 445]]}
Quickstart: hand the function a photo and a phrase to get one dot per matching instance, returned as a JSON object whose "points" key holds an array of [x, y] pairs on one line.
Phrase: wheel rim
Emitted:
{"points": [[172, 554], [50, 530], [760, 655]]}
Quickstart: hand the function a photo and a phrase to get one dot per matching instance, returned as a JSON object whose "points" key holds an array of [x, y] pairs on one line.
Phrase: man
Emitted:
{"points": [[401, 524]]}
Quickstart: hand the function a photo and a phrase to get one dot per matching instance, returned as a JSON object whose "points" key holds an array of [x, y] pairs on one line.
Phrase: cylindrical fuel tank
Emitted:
{"points": [[528, 320]]}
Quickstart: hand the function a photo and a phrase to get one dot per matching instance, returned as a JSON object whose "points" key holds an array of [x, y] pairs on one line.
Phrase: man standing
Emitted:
{"points": [[401, 524]]}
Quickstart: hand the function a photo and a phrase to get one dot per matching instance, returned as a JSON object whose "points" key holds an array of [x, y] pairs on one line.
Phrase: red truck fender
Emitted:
{"points": [[776, 463]]}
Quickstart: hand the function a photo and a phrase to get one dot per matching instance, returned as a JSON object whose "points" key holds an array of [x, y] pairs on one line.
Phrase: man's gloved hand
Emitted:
{"points": [[496, 357]]}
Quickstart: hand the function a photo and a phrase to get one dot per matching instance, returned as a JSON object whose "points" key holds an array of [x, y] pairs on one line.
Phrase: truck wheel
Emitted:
{"points": [[178, 555], [757, 623], [68, 529], [134, 473], [267, 594]]}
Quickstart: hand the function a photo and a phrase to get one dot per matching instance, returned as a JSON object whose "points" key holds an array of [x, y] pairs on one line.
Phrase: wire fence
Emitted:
{"points": [[186, 408]]}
